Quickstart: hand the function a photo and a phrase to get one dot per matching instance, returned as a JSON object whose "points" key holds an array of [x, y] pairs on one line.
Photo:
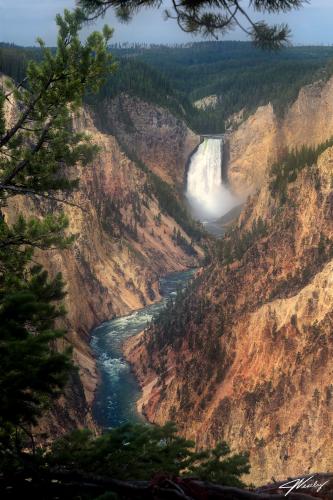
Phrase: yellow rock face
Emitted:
{"points": [[261, 139], [251, 149]]}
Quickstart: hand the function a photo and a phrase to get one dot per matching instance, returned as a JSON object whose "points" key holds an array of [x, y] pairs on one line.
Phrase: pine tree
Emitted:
{"points": [[140, 452], [220, 466], [207, 17], [36, 153]]}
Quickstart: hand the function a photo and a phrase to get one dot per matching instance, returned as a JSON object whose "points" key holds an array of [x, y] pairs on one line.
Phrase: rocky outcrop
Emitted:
{"points": [[162, 141], [124, 242], [261, 139], [208, 102], [248, 358], [252, 148]]}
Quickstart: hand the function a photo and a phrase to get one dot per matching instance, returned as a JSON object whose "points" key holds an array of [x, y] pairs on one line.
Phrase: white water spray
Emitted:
{"points": [[207, 195]]}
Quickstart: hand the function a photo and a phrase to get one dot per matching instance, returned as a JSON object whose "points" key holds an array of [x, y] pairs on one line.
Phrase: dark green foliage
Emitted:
{"points": [[13, 61], [118, 223], [44, 233], [158, 219], [35, 153], [175, 77], [237, 241], [141, 80], [51, 92], [208, 18], [111, 218], [80, 464], [32, 369], [133, 451], [287, 169], [183, 243], [220, 467], [242, 75], [2, 118], [170, 204], [34, 365], [31, 372], [168, 328], [137, 451]]}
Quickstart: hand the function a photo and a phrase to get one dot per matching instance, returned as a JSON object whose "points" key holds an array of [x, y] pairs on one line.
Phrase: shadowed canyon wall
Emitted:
{"points": [[159, 139]]}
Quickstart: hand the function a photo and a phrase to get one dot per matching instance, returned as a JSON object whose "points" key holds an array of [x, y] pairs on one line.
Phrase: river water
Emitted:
{"points": [[118, 392]]}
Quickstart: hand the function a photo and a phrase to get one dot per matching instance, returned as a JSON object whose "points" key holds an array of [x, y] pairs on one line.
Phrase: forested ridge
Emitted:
{"points": [[241, 76]]}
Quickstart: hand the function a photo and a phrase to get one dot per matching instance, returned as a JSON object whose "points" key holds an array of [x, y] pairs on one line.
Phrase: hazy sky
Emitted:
{"points": [[22, 20]]}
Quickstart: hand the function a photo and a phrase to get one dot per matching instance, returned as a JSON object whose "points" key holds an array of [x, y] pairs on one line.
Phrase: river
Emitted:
{"points": [[118, 391]]}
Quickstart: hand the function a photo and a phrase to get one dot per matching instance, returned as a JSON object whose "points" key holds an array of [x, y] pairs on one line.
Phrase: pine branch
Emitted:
{"points": [[31, 192], [208, 17], [34, 150], [11, 133], [17, 86], [64, 482]]}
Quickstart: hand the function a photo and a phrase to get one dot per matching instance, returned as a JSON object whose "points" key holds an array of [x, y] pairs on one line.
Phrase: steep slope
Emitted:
{"points": [[124, 242], [250, 149], [246, 356], [162, 141], [262, 138]]}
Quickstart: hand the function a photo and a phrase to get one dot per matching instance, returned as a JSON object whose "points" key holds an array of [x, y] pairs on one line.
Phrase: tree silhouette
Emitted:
{"points": [[208, 17]]}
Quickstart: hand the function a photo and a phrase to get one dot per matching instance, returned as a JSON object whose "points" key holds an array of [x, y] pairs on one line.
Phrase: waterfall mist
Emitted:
{"points": [[208, 197]]}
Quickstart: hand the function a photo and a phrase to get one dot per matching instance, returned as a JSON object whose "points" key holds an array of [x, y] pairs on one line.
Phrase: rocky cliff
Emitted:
{"points": [[162, 141], [261, 139], [246, 356], [124, 242]]}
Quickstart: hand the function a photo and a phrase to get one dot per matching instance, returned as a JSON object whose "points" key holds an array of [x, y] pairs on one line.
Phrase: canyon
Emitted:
{"points": [[124, 241], [246, 356]]}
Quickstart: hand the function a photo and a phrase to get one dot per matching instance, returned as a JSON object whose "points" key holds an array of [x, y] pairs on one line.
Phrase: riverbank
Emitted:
{"points": [[118, 396], [131, 351]]}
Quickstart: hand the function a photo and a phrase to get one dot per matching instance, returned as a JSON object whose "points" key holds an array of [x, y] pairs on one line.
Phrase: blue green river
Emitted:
{"points": [[118, 392]]}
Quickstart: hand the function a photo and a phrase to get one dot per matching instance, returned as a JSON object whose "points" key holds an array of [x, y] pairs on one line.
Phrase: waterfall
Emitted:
{"points": [[208, 197]]}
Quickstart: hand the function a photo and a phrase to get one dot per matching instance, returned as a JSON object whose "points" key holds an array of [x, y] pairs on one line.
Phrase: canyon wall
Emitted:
{"points": [[247, 355], [261, 139], [162, 141], [124, 243]]}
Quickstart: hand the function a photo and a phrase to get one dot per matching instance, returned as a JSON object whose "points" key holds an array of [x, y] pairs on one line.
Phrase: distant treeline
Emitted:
{"points": [[241, 75], [174, 77], [141, 80], [14, 59]]}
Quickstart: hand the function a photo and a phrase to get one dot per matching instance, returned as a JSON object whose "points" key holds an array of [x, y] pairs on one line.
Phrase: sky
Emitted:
{"points": [[21, 21]]}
